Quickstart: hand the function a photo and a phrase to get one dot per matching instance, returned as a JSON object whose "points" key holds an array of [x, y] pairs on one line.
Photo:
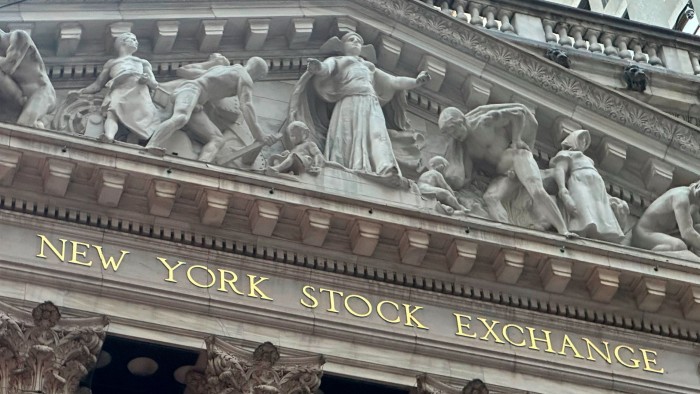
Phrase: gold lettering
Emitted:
{"points": [[352, 312], [194, 282], [504, 331], [44, 241], [633, 360], [489, 329], [254, 289], [74, 258], [312, 298], [331, 297], [546, 339], [381, 314], [410, 318], [648, 361], [605, 356], [568, 344], [110, 261], [461, 325], [222, 278], [171, 270]]}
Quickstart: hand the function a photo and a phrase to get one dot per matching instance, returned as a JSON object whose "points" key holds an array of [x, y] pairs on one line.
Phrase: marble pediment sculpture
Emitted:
{"points": [[26, 92], [581, 189], [668, 225], [498, 139], [349, 105]]}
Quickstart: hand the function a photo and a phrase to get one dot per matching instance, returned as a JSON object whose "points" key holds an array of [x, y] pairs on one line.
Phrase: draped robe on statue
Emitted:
{"points": [[353, 132]]}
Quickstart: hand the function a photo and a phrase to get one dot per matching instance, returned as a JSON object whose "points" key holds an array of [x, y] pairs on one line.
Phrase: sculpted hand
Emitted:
{"points": [[568, 201], [269, 139], [284, 153], [314, 66], [198, 108], [143, 79], [423, 78]]}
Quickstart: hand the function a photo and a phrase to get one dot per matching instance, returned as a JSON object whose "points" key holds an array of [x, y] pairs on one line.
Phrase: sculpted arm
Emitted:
{"points": [[681, 209], [196, 70], [100, 81], [19, 45], [245, 98], [150, 78], [322, 68], [406, 83]]}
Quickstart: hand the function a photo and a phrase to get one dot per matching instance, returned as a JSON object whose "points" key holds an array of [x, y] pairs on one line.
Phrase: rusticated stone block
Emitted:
{"points": [[212, 207], [413, 246], [603, 284], [461, 256], [650, 293], [56, 175], [364, 237], [509, 265], [314, 227], [263, 217], [110, 187], [555, 275], [161, 197]]}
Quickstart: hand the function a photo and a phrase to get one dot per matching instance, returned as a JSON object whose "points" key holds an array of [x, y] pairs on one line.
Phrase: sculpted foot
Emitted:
{"points": [[570, 235], [105, 138]]}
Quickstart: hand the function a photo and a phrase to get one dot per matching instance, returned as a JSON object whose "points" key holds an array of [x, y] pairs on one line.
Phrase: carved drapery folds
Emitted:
{"points": [[232, 370], [41, 352], [430, 385]]}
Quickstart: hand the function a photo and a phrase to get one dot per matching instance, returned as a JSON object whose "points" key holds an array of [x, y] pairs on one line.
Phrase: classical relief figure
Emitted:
{"points": [[582, 191], [25, 89], [356, 135], [301, 154], [207, 82], [498, 138], [675, 210], [432, 184], [129, 81]]}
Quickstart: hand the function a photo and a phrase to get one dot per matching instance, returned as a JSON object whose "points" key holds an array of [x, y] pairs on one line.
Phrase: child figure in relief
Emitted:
{"points": [[301, 155], [432, 184]]}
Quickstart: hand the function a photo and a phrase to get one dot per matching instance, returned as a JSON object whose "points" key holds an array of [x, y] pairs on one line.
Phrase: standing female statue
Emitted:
{"points": [[356, 134], [582, 191]]}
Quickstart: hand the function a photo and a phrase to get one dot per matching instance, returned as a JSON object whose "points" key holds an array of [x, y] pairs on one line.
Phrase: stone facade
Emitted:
{"points": [[484, 194]]}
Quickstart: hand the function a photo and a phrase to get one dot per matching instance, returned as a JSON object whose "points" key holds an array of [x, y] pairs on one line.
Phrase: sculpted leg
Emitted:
{"points": [[205, 131], [658, 242], [498, 190], [111, 127], [38, 104], [528, 173], [10, 89], [185, 102]]}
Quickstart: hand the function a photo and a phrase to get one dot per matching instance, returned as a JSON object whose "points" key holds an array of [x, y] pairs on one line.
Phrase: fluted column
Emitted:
{"points": [[230, 369], [42, 352]]}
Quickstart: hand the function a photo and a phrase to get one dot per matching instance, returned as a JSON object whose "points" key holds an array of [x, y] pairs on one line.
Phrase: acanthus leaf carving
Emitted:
{"points": [[233, 370], [43, 352]]}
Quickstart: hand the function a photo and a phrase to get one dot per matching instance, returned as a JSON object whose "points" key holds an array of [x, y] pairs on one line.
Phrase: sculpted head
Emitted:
{"points": [[438, 163], [452, 122], [126, 43], [578, 140], [695, 190], [257, 68], [352, 44], [296, 133]]}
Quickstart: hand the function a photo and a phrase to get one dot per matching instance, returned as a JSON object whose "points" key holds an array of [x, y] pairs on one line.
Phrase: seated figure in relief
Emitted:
{"points": [[129, 80], [432, 184], [25, 89], [356, 134], [582, 191], [210, 81], [674, 211], [301, 154], [498, 138]]}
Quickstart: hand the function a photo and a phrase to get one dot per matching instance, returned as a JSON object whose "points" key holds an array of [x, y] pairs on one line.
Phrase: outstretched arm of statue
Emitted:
{"points": [[321, 68], [684, 218], [19, 45], [245, 98], [100, 81], [406, 83]]}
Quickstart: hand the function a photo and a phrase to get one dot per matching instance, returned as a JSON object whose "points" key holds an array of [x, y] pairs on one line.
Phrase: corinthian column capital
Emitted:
{"points": [[43, 352]]}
